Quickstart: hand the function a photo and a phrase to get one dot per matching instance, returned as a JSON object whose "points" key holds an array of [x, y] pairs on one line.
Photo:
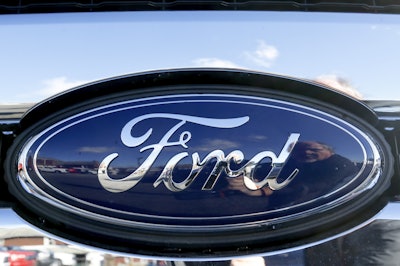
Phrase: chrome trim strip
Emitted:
{"points": [[10, 219]]}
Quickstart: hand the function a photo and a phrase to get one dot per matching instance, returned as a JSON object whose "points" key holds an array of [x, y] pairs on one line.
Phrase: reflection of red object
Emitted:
{"points": [[72, 170], [22, 258]]}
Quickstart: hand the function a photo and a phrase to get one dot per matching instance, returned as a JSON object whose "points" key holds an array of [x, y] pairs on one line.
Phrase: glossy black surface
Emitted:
{"points": [[362, 6]]}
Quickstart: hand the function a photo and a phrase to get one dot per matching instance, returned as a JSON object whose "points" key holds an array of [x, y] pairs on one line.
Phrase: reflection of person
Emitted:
{"points": [[311, 151], [320, 171], [376, 244], [318, 160]]}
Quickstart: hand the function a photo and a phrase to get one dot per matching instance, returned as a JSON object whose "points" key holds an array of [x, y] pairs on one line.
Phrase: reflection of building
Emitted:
{"points": [[85, 164], [22, 236], [56, 162], [25, 238], [48, 162]]}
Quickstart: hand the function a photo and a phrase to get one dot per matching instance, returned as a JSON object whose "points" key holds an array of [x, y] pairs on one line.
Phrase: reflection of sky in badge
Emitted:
{"points": [[267, 129]]}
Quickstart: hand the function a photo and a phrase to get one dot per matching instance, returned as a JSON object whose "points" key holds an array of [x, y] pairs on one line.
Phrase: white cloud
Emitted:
{"points": [[94, 149], [264, 55], [59, 84], [48, 87], [220, 143], [257, 137], [214, 62]]}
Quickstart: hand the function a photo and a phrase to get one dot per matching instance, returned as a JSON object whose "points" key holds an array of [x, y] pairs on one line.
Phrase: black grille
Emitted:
{"points": [[357, 6]]}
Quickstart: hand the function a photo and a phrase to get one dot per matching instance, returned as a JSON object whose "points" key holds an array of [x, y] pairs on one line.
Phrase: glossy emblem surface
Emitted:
{"points": [[198, 159], [202, 166]]}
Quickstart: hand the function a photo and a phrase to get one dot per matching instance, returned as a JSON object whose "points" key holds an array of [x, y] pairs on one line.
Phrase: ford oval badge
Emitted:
{"points": [[199, 163]]}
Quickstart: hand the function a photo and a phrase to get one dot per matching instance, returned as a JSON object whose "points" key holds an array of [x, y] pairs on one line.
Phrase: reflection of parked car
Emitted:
{"points": [[20, 257], [4, 258], [68, 256], [93, 171], [78, 170], [46, 258], [52, 169]]}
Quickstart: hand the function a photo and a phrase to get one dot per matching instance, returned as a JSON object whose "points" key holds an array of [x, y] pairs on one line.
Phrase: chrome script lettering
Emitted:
{"points": [[223, 163]]}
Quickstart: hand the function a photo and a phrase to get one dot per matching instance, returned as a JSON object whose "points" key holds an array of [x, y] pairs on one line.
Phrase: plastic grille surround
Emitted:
{"points": [[355, 6]]}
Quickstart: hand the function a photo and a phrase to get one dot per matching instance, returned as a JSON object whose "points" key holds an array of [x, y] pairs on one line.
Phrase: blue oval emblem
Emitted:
{"points": [[192, 163]]}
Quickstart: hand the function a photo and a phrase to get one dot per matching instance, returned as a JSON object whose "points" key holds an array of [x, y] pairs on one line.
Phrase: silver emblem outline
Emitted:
{"points": [[30, 187]]}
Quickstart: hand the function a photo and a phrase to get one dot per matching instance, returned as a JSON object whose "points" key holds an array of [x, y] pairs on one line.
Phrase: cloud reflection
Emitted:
{"points": [[94, 149]]}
